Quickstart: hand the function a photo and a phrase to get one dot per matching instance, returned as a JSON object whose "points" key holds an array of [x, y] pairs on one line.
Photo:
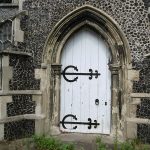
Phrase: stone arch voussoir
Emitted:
{"points": [[95, 18]]}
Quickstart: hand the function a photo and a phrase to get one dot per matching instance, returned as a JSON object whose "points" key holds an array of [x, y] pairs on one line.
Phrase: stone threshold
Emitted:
{"points": [[84, 137]]}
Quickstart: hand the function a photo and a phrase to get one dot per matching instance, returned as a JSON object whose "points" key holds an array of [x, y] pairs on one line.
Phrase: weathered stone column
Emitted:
{"points": [[42, 101], [6, 73], [133, 75], [115, 91], [6, 76], [55, 101]]}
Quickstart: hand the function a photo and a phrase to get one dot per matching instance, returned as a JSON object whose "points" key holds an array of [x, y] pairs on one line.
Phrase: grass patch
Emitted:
{"points": [[50, 143], [134, 144], [100, 145]]}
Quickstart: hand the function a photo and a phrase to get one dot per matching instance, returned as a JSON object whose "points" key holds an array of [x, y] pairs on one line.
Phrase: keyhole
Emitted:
{"points": [[97, 102]]}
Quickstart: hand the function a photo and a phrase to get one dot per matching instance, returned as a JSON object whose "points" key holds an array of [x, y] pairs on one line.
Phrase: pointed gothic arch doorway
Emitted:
{"points": [[85, 98], [100, 24]]}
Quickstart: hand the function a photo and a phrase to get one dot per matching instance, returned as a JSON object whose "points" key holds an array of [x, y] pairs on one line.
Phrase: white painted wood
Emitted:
{"points": [[86, 50]]}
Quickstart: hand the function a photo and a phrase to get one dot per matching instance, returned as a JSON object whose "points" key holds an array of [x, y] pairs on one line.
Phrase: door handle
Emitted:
{"points": [[97, 102]]}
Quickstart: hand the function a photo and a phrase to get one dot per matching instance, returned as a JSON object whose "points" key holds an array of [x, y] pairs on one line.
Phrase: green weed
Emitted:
{"points": [[134, 144], [127, 146], [50, 143], [100, 144], [45, 143]]}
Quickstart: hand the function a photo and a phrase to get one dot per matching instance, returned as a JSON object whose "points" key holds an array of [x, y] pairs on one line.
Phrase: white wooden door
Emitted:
{"points": [[85, 50]]}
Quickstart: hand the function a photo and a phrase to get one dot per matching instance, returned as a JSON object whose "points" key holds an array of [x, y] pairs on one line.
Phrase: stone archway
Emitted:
{"points": [[104, 25]]}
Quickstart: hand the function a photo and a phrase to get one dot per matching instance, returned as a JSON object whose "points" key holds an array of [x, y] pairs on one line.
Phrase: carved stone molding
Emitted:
{"points": [[56, 69], [114, 68], [96, 20]]}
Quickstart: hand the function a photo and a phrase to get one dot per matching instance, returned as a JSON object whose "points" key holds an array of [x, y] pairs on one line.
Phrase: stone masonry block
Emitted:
{"points": [[133, 75], [3, 105], [131, 130], [3, 112]]}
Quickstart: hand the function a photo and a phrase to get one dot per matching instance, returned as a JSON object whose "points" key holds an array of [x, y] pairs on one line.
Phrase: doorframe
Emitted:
{"points": [[103, 24]]}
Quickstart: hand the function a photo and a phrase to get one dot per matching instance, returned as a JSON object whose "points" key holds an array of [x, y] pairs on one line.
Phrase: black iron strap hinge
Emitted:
{"points": [[90, 74], [89, 123]]}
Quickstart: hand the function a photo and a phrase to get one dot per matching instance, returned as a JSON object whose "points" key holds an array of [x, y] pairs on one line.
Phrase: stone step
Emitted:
{"points": [[80, 141], [84, 141]]}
